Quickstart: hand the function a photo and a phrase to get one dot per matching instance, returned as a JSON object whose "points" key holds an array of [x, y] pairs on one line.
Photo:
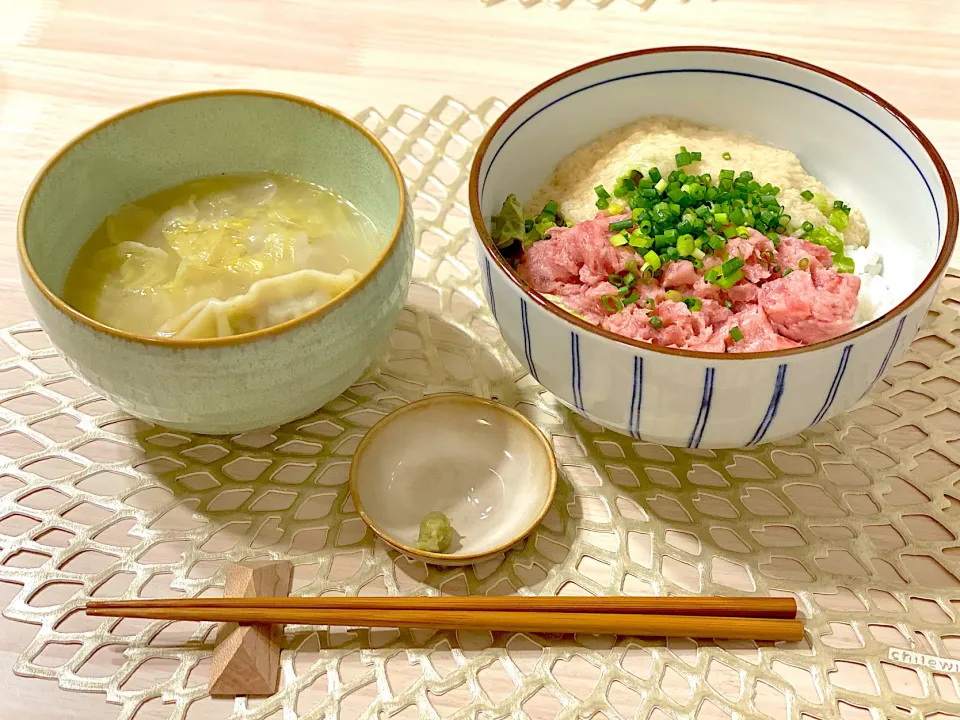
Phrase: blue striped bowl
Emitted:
{"points": [[858, 145]]}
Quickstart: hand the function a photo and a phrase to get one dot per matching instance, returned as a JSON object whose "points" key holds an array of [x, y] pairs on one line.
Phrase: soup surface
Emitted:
{"points": [[221, 256]]}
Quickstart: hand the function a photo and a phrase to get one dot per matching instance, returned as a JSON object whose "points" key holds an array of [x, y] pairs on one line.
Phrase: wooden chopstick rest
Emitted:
{"points": [[247, 658]]}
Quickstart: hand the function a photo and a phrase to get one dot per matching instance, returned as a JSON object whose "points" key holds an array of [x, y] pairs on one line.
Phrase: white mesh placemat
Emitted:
{"points": [[857, 519]]}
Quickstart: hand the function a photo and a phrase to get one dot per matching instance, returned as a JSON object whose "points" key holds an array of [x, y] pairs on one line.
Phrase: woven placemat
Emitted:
{"points": [[856, 518]]}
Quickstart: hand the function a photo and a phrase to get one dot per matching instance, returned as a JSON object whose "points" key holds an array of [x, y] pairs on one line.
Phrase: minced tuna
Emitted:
{"points": [[790, 295]]}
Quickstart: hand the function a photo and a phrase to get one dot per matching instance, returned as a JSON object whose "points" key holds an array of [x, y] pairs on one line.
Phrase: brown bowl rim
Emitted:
{"points": [[939, 267], [231, 340], [451, 397]]}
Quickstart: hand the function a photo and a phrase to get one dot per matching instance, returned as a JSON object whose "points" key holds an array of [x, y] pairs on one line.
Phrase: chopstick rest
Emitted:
{"points": [[247, 658]]}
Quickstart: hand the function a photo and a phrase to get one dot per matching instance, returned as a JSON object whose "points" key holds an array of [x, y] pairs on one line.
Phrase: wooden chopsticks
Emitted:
{"points": [[768, 619]]}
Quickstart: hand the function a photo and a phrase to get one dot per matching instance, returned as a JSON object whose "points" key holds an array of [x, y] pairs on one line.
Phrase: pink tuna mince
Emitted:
{"points": [[772, 311]]}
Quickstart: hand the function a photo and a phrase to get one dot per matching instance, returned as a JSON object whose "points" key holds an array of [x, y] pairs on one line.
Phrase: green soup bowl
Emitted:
{"points": [[230, 384]]}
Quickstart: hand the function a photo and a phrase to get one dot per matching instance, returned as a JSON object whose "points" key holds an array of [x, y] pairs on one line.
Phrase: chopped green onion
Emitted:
{"points": [[728, 304], [807, 226], [731, 266], [653, 260], [618, 239], [624, 291], [694, 303], [661, 185], [615, 280], [736, 334], [774, 238], [712, 275], [839, 219], [804, 263], [656, 321], [602, 204], [654, 175], [551, 208], [631, 299], [673, 296], [621, 225], [601, 192], [728, 281], [775, 268], [612, 303], [650, 303], [727, 156], [685, 245], [629, 279], [787, 272], [807, 195], [697, 156], [843, 264], [683, 158]]}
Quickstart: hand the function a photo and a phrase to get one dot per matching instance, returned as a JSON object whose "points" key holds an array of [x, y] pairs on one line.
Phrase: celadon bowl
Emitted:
{"points": [[247, 381], [857, 144]]}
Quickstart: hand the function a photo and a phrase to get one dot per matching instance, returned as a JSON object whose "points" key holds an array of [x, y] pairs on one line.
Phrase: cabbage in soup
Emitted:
{"points": [[221, 256]]}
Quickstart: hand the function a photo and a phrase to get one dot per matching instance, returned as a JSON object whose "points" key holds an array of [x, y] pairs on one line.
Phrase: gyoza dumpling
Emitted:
{"points": [[268, 302]]}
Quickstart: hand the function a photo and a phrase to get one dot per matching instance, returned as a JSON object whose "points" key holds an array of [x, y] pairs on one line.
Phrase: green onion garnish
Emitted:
{"points": [[612, 303], [787, 272], [650, 303], [731, 266], [728, 281], [656, 321], [673, 296], [694, 303], [728, 304], [684, 214], [839, 219], [736, 334], [653, 260], [804, 263], [843, 264], [685, 245]]}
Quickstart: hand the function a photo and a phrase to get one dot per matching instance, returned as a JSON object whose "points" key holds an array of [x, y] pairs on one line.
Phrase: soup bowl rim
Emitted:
{"points": [[232, 340], [932, 277]]}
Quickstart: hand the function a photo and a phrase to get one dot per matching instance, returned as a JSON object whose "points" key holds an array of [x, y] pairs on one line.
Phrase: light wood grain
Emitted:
{"points": [[247, 658], [65, 64]]}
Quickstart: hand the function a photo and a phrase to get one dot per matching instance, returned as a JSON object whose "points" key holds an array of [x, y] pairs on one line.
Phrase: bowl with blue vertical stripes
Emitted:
{"points": [[845, 135]]}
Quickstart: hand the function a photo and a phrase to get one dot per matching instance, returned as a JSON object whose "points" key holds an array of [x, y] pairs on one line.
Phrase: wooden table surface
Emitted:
{"points": [[65, 64]]}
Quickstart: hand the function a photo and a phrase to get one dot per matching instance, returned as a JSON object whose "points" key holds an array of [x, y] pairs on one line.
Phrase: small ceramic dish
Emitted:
{"points": [[485, 466]]}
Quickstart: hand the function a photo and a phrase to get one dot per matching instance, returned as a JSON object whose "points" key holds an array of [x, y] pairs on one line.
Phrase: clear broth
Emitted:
{"points": [[155, 264]]}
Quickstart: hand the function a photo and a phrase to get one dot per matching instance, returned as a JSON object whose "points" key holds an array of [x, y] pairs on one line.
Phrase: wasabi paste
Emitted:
{"points": [[436, 533]]}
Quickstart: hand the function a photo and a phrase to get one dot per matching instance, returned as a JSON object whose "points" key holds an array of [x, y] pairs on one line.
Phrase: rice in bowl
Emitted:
{"points": [[684, 236]]}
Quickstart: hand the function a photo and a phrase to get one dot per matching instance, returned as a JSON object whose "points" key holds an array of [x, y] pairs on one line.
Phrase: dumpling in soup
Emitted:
{"points": [[221, 256]]}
